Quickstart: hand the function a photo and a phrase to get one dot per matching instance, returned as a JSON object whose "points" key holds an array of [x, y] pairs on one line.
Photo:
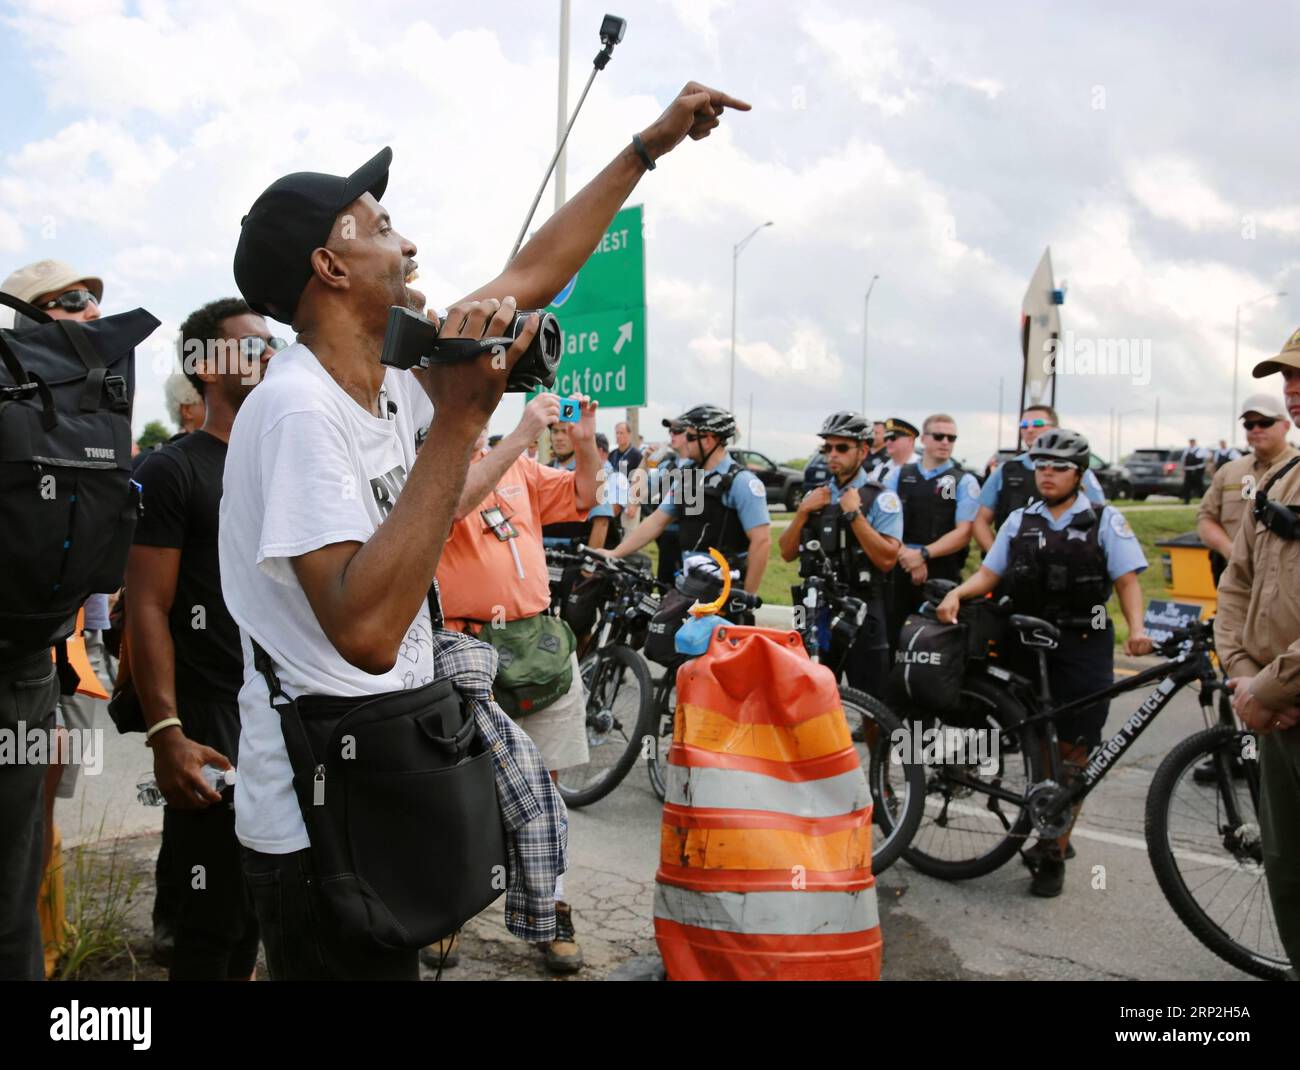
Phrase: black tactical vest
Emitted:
{"points": [[929, 511], [1017, 491], [712, 523], [852, 565], [1054, 574]]}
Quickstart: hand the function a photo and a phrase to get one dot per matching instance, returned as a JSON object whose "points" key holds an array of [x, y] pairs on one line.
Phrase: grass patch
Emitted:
{"points": [[101, 883]]}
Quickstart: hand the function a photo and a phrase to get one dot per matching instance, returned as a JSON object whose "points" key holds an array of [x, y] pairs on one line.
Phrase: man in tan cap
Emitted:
{"points": [[1257, 634], [57, 288], [1265, 419]]}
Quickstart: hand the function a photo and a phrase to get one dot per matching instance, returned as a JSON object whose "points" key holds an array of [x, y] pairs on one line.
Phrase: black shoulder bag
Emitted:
{"points": [[399, 798]]}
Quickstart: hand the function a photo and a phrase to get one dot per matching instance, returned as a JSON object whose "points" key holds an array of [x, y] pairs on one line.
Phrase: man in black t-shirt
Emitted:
{"points": [[184, 649]]}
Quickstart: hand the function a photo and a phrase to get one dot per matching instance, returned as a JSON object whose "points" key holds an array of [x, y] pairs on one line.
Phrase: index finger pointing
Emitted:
{"points": [[720, 99]]}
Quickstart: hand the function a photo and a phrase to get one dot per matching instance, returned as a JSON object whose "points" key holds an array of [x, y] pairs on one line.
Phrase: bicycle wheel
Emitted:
{"points": [[897, 787], [965, 830], [1207, 855], [619, 701], [665, 705]]}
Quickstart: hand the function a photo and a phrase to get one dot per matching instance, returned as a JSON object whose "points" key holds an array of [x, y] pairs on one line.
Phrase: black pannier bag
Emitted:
{"points": [[702, 584], [67, 505], [660, 640], [929, 663], [587, 594]]}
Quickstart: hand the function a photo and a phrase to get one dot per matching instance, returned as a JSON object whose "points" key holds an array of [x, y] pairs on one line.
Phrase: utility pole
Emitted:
{"points": [[866, 309]]}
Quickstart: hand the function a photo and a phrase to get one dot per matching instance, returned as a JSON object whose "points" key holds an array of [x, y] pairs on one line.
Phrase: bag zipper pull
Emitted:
{"points": [[318, 787]]}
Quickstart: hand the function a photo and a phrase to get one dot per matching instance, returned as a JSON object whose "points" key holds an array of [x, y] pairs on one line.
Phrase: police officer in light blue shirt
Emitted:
{"points": [[858, 525], [1059, 559], [1010, 486], [716, 502], [940, 500]]}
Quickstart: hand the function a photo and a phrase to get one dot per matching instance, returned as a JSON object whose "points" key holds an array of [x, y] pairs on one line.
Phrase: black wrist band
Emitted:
{"points": [[639, 145]]}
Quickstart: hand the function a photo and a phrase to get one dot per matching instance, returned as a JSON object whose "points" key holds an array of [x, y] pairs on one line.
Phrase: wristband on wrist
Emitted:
{"points": [[852, 515], [640, 148], [166, 722], [925, 553]]}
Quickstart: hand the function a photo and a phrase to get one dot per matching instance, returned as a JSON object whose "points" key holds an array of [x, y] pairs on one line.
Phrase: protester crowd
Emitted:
{"points": [[325, 539]]}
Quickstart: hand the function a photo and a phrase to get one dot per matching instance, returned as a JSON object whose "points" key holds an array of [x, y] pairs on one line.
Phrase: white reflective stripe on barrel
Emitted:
{"points": [[773, 913], [736, 789]]}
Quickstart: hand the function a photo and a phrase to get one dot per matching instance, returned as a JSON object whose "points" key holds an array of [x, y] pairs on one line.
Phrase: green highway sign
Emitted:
{"points": [[602, 314]]}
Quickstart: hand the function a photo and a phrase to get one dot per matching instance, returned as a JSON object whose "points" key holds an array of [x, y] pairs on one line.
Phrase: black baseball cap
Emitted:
{"points": [[287, 223]]}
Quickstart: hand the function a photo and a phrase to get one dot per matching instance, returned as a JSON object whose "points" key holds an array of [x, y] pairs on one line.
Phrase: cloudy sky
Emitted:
{"points": [[942, 147]]}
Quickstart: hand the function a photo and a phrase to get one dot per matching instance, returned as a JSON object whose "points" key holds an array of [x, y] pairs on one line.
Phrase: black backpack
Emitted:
{"points": [[67, 505]]}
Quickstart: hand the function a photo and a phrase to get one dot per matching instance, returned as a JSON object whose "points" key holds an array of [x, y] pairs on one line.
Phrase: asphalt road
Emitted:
{"points": [[986, 928]]}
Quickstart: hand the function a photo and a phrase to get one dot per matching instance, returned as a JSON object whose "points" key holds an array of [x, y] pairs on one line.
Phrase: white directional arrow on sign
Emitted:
{"points": [[624, 336]]}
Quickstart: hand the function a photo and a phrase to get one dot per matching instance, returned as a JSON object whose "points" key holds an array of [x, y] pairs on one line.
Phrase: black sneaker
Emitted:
{"points": [[1205, 773], [1049, 878]]}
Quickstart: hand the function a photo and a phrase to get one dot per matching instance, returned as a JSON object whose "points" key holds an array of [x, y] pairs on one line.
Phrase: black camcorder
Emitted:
{"points": [[412, 340]]}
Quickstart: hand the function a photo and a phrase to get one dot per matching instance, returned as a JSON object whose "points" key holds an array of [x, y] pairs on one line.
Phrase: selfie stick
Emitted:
{"points": [[611, 33]]}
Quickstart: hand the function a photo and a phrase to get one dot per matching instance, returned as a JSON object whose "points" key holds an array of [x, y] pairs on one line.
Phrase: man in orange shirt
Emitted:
{"points": [[493, 569]]}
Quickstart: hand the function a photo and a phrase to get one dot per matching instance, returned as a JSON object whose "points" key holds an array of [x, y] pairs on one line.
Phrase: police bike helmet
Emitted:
{"points": [[845, 424], [1061, 444], [710, 418]]}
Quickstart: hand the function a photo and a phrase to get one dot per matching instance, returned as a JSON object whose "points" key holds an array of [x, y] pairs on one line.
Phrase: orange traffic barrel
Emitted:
{"points": [[765, 853]]}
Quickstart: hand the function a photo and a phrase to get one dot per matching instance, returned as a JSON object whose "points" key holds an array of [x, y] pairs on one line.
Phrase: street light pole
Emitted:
{"points": [[1236, 347], [736, 250], [1119, 430], [866, 309]]}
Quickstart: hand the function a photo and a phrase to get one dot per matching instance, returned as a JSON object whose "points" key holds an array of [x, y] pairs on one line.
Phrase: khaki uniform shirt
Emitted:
{"points": [[1230, 491], [1257, 627]]}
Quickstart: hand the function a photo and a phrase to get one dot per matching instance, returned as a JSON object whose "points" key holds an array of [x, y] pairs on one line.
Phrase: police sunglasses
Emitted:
{"points": [[942, 436], [72, 301], [1026, 424], [838, 447], [1250, 425], [1054, 466]]}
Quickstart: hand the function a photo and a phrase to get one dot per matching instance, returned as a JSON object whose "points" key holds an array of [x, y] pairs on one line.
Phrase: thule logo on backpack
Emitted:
{"points": [[918, 657], [99, 453]]}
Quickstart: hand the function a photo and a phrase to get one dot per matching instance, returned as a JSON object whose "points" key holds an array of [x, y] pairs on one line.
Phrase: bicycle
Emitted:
{"points": [[979, 814], [615, 677], [897, 787]]}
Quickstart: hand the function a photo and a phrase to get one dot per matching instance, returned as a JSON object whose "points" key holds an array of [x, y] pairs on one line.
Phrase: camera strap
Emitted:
{"points": [[450, 349]]}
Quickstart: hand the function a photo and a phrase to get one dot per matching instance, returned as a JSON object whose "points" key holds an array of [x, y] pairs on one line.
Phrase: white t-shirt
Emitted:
{"points": [[307, 466]]}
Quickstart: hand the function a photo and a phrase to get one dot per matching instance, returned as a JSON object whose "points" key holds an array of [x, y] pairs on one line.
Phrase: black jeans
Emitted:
{"points": [[216, 926], [29, 694], [302, 942]]}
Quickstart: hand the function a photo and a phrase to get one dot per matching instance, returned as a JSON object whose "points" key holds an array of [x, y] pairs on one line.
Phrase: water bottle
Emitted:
{"points": [[217, 779]]}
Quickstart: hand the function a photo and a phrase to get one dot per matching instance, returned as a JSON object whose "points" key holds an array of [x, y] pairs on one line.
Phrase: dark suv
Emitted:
{"points": [[1151, 471], [784, 486]]}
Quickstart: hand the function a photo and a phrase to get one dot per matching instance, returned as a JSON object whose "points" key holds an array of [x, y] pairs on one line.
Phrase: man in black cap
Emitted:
{"points": [[331, 526], [900, 448]]}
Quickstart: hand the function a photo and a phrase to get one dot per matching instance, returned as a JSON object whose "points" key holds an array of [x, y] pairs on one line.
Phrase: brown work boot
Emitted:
{"points": [[443, 954], [563, 955]]}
